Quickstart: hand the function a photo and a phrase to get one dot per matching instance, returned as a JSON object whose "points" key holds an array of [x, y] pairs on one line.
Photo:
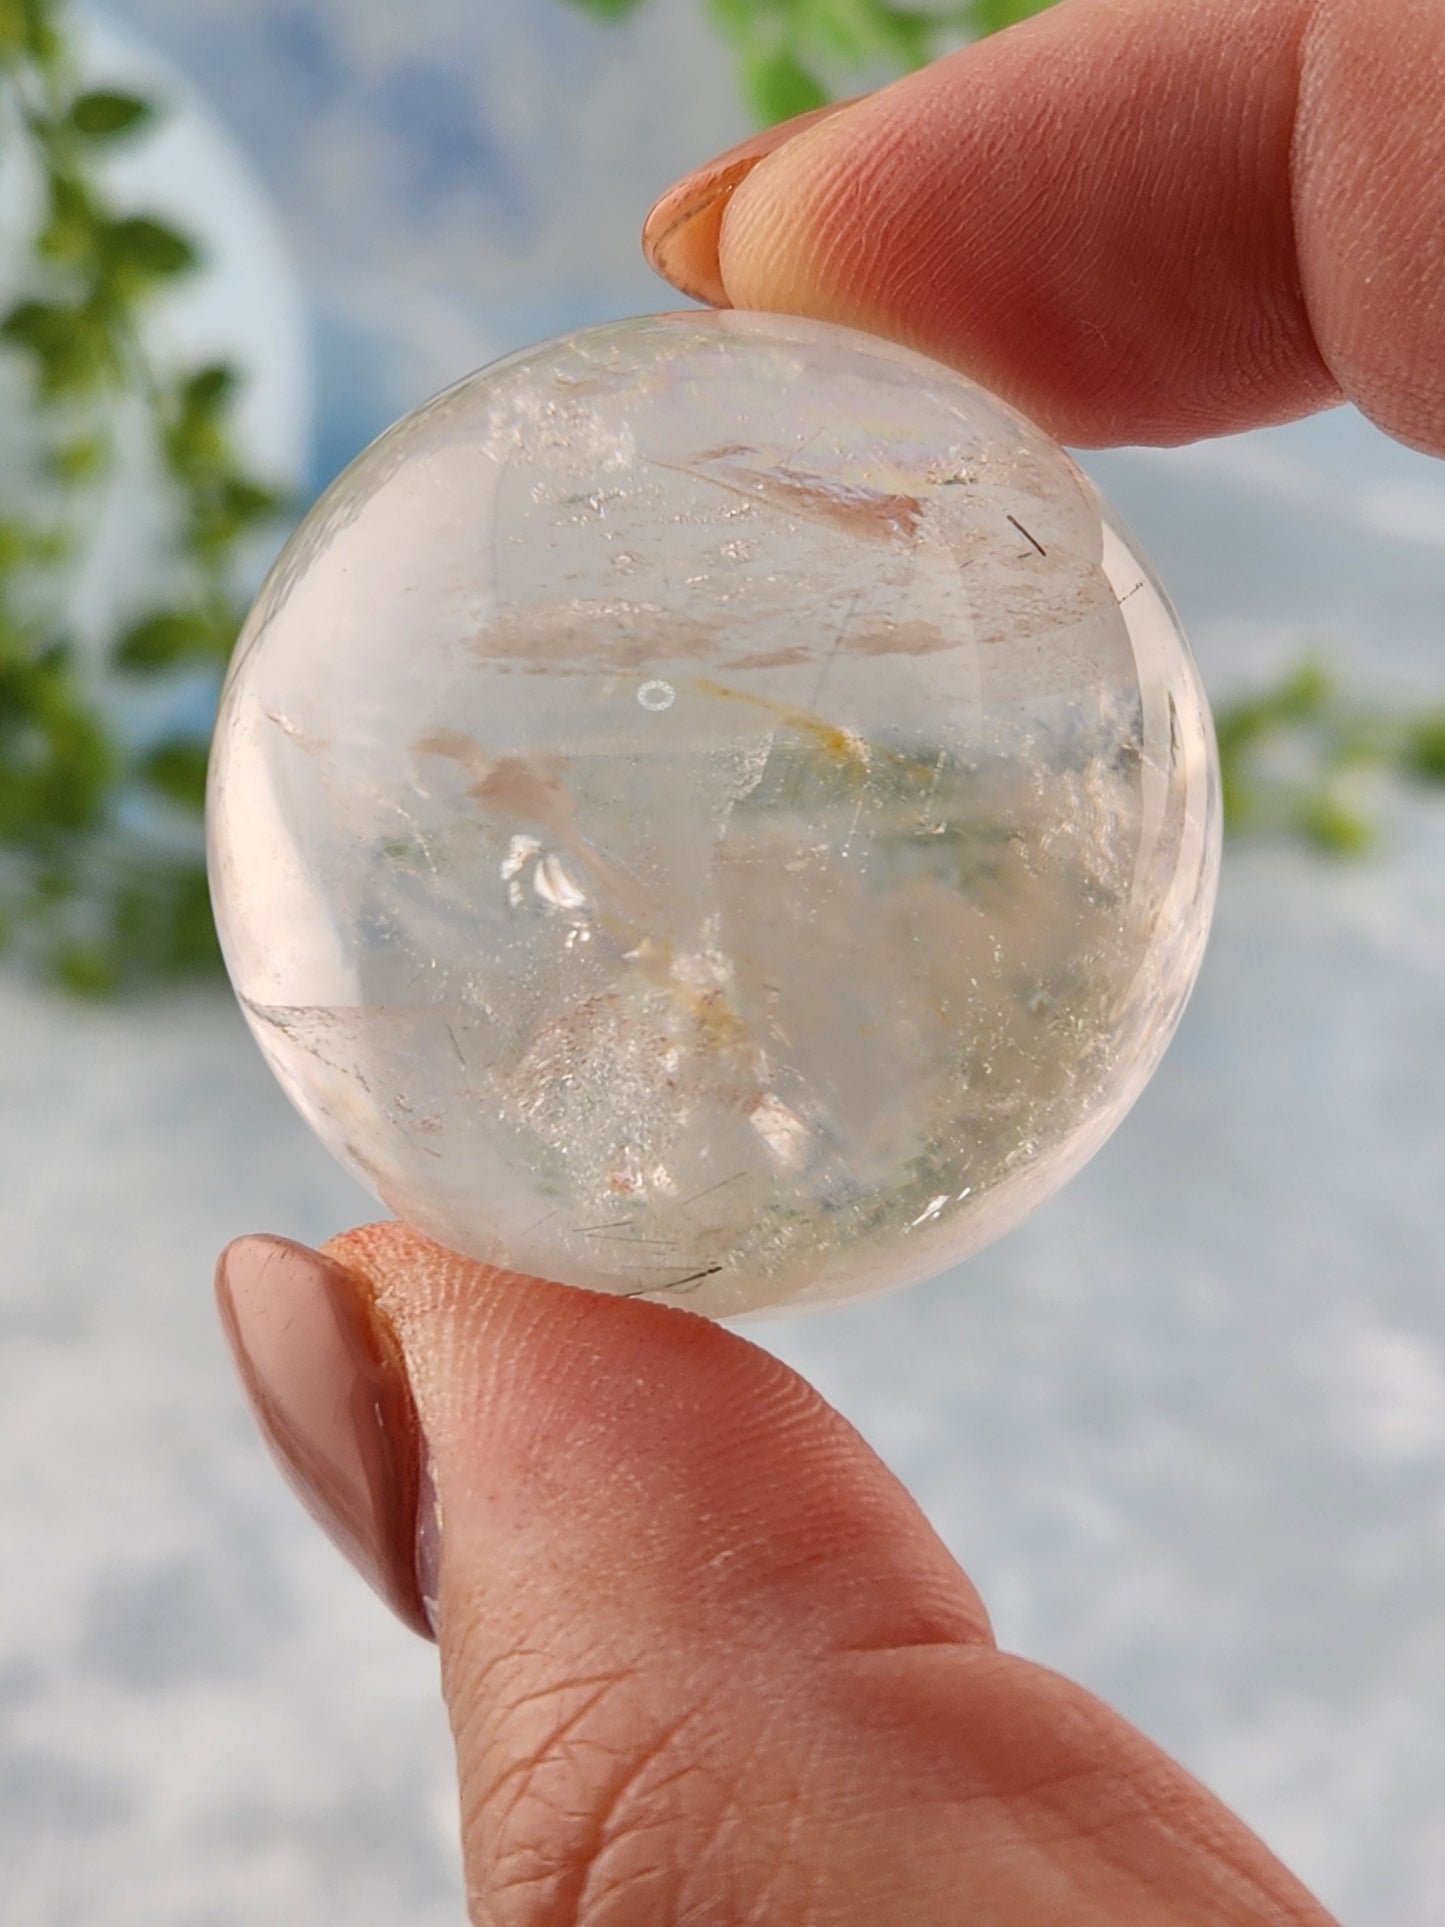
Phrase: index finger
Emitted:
{"points": [[1139, 220]]}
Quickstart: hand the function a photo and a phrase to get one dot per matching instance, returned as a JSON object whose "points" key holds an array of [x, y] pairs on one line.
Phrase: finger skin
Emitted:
{"points": [[682, 232], [708, 1665], [1370, 193], [1142, 220]]}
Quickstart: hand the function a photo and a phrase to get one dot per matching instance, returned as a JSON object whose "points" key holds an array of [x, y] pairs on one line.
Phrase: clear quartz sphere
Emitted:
{"points": [[712, 808]]}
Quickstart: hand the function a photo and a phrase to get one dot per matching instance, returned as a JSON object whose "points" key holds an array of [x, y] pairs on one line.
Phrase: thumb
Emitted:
{"points": [[705, 1660]]}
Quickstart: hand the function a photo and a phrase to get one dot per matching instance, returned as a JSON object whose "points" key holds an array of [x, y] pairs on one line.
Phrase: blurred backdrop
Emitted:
{"points": [[1186, 1428]]}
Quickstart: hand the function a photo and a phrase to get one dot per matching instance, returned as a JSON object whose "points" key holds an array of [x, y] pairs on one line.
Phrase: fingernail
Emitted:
{"points": [[326, 1382], [680, 236]]}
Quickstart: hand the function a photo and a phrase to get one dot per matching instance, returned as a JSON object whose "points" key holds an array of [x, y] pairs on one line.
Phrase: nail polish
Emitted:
{"points": [[681, 235], [327, 1384]]}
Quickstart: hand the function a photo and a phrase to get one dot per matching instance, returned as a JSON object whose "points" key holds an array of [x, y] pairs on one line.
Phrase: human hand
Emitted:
{"points": [[1138, 220], [706, 1661]]}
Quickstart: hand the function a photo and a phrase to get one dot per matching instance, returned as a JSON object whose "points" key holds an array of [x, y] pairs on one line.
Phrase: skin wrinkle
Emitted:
{"points": [[1045, 1791], [626, 1815], [707, 1663], [1061, 1797], [482, 1823], [1067, 1788], [787, 1880], [608, 1843], [532, 1819], [596, 1823]]}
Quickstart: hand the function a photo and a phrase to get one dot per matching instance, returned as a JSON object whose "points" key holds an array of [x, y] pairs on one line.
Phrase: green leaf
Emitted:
{"points": [[51, 546], [192, 946], [85, 459], [68, 345], [85, 970], [69, 233], [251, 502], [607, 9], [92, 894], [778, 85], [195, 439], [1424, 757], [736, 21], [234, 509], [177, 769], [78, 771], [38, 325], [161, 922], [1332, 826], [908, 36], [844, 31], [1303, 695], [162, 640], [197, 449], [1300, 697], [42, 39], [55, 883], [138, 251], [103, 115], [12, 29], [992, 16], [859, 35], [1240, 800], [210, 390], [20, 543], [26, 28], [56, 762], [29, 545]]}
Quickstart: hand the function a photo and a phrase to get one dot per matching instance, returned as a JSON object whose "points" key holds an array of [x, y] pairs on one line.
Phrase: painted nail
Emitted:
{"points": [[680, 236], [326, 1382]]}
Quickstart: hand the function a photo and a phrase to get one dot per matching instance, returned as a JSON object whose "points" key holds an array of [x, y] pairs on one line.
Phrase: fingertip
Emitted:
{"points": [[780, 247], [581, 1424], [681, 235]]}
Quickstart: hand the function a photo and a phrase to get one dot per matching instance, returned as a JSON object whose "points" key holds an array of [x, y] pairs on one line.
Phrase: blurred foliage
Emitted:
{"points": [[792, 55], [1302, 757], [101, 876]]}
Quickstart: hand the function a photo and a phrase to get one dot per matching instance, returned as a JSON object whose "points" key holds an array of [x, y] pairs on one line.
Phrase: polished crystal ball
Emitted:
{"points": [[713, 809]]}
